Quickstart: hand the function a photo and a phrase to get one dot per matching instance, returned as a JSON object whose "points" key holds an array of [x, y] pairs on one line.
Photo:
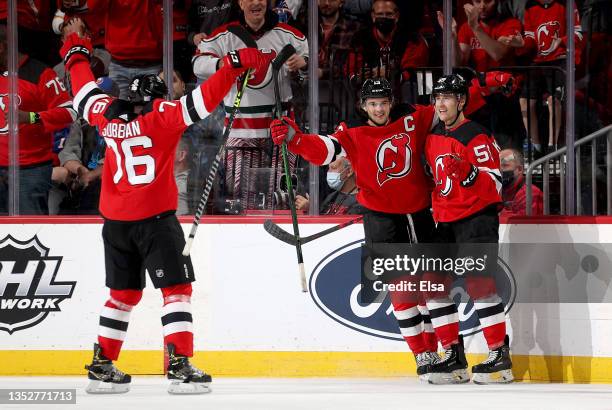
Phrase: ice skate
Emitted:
{"points": [[185, 378], [452, 369], [497, 368], [424, 361], [104, 377]]}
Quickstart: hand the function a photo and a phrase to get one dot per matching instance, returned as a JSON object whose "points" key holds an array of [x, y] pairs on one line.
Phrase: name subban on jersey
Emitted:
{"points": [[118, 130]]}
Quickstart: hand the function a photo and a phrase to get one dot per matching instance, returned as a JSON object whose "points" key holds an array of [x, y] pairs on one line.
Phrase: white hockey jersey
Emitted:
{"points": [[255, 115]]}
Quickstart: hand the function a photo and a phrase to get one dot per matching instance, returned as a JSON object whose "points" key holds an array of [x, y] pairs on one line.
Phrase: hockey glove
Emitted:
{"points": [[499, 81], [247, 58], [284, 130], [460, 170], [75, 49]]}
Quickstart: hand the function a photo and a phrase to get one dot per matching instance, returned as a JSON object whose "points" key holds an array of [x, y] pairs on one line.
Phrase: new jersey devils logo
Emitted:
{"points": [[548, 37], [441, 179], [393, 158], [4, 102]]}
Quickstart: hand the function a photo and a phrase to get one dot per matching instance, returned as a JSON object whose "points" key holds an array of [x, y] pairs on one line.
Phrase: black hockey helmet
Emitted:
{"points": [[450, 84], [145, 88], [376, 88]]}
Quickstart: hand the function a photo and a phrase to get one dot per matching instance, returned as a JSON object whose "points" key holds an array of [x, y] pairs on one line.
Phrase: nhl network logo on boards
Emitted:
{"points": [[28, 289]]}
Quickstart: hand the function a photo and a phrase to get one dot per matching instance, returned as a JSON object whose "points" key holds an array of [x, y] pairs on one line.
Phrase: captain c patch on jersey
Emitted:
{"points": [[394, 158]]}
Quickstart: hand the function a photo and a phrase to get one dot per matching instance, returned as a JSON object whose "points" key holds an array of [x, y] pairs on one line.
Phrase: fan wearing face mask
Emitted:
{"points": [[514, 191], [342, 201], [385, 48]]}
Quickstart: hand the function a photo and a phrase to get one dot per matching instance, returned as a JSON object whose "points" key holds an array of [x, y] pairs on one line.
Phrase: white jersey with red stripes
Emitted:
{"points": [[258, 101]]}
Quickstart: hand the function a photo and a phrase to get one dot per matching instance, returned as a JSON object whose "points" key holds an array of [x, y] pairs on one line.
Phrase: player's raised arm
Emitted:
{"points": [[317, 149]]}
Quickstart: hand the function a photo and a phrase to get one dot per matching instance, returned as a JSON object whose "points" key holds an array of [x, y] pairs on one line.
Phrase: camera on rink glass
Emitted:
{"points": [[232, 207], [281, 195]]}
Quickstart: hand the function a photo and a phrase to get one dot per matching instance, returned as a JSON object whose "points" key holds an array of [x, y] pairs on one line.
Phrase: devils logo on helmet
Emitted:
{"points": [[393, 158]]}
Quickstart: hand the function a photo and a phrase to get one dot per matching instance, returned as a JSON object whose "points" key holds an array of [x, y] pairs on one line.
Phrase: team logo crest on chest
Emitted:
{"points": [[394, 158]]}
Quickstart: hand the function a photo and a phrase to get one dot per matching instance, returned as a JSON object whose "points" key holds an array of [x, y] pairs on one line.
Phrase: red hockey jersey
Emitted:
{"points": [[479, 58], [39, 90], [138, 176], [546, 31], [471, 141], [387, 160]]}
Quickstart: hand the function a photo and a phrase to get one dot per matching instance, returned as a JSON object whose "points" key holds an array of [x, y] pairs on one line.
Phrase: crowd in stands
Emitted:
{"points": [[61, 157]]}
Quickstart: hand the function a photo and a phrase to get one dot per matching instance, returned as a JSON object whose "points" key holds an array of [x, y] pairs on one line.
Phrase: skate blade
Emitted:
{"points": [[500, 377], [454, 377], [177, 387], [424, 377], [98, 387]]}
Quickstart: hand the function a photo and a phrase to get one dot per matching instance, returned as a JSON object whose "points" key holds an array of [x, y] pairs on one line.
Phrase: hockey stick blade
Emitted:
{"points": [[284, 236], [279, 233], [282, 57]]}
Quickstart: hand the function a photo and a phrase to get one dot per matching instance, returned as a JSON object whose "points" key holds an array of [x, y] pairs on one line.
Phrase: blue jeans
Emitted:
{"points": [[122, 76], [34, 186]]}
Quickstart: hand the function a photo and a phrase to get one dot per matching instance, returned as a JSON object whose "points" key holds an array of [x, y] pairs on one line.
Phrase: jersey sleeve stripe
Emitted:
{"points": [[88, 90], [95, 97], [495, 175], [191, 109], [198, 102], [331, 150], [68, 105], [186, 117]]}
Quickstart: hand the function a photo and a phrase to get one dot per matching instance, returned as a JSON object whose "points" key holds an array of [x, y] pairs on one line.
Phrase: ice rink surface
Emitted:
{"points": [[149, 392]]}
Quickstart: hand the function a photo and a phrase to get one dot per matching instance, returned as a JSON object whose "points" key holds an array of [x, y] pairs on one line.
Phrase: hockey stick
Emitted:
{"points": [[282, 235], [277, 63], [214, 167]]}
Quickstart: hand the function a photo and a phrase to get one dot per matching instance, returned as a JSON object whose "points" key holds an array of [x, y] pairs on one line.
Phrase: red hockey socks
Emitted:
{"points": [[176, 318], [114, 320]]}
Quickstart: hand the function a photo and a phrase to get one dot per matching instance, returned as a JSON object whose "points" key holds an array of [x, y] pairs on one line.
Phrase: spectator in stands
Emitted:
{"points": [[341, 179], [182, 167], [133, 37], [77, 180], [383, 49], [44, 107], [479, 44], [205, 16], [250, 130], [94, 22], [178, 85], [335, 32], [514, 191], [545, 39]]}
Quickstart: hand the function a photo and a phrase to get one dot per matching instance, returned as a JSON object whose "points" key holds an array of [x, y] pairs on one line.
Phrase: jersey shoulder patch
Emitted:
{"points": [[467, 131]]}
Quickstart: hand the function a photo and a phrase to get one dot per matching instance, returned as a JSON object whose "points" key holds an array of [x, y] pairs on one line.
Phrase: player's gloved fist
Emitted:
{"points": [[283, 130], [75, 48], [500, 80], [249, 58], [458, 169]]}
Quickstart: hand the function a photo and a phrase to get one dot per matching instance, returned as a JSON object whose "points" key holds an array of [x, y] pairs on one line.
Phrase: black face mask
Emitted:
{"points": [[508, 178], [384, 24]]}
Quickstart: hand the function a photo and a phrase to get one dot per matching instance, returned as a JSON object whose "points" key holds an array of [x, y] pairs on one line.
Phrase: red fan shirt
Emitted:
{"points": [[546, 31], [451, 201], [479, 57], [40, 91]]}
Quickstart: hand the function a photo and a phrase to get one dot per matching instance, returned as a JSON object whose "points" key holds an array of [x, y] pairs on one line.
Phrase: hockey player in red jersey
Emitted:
{"points": [[393, 186], [138, 202], [464, 159]]}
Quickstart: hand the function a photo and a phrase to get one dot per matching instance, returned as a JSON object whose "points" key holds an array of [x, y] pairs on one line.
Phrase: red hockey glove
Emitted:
{"points": [[460, 170], [499, 81], [75, 49], [247, 58], [283, 130]]}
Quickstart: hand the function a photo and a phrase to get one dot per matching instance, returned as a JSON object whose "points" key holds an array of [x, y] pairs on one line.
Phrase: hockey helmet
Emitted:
{"points": [[451, 84], [376, 88], [145, 88]]}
